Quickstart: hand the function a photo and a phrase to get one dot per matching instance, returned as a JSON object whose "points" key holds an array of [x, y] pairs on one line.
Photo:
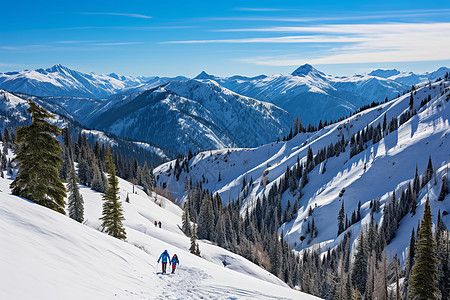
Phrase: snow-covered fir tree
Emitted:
{"points": [[38, 175], [112, 214], [76, 204]]}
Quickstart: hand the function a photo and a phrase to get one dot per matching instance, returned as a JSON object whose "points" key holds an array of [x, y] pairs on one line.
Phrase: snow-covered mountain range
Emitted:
{"points": [[195, 115], [203, 113], [59, 81], [62, 81], [410, 78], [311, 95], [365, 171]]}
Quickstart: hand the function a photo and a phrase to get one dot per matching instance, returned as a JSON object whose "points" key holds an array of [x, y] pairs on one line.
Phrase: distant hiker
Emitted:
{"points": [[156, 223], [164, 257], [174, 262], [159, 224]]}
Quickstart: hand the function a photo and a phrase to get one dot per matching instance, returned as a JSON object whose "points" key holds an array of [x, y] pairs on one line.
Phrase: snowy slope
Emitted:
{"points": [[12, 110], [195, 115], [46, 255], [62, 81], [373, 173]]}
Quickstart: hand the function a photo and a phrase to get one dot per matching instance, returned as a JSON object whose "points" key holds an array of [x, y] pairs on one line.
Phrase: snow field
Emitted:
{"points": [[46, 255]]}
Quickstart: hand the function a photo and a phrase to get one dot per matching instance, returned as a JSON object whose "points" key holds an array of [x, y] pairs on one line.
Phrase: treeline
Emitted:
{"points": [[299, 128], [254, 236], [92, 164]]}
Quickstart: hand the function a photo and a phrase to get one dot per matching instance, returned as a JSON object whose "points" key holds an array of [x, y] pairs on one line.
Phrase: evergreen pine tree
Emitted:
{"points": [[424, 271], [341, 218], [194, 249], [38, 155], [444, 188], [409, 264], [413, 203], [76, 204], [97, 181], [359, 268], [112, 207], [186, 225], [206, 218]]}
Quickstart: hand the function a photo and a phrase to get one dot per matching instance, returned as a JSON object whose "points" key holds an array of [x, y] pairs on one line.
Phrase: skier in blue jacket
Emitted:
{"points": [[174, 262], [164, 257]]}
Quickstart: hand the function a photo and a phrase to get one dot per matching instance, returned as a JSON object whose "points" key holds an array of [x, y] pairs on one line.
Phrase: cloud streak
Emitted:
{"points": [[379, 43], [352, 43], [118, 14], [275, 40], [346, 17]]}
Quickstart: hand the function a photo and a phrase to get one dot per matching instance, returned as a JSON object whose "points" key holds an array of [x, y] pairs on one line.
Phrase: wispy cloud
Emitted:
{"points": [[353, 43], [275, 40], [377, 43], [118, 14], [343, 16]]}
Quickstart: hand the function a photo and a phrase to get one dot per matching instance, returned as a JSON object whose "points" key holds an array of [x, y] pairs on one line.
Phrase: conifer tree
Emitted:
{"points": [[97, 181], [206, 218], [444, 188], [424, 271], [409, 264], [38, 156], [359, 270], [194, 249], [76, 204], [341, 218], [112, 207], [186, 226], [413, 203]]}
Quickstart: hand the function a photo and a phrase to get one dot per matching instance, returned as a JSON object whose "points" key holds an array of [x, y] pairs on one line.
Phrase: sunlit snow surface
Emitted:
{"points": [[46, 255]]}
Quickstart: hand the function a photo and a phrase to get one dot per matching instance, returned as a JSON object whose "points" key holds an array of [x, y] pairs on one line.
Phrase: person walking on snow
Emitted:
{"points": [[174, 262], [159, 224], [156, 223], [164, 257]]}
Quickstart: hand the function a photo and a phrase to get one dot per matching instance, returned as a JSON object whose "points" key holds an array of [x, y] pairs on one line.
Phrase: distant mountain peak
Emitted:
{"points": [[58, 68], [306, 69], [204, 75]]}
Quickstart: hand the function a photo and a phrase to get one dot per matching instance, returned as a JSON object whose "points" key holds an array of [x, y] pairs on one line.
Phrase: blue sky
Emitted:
{"points": [[224, 38]]}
